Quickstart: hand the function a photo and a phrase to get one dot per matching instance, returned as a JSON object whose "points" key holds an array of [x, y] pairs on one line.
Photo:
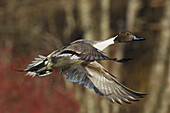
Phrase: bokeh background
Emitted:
{"points": [[32, 27]]}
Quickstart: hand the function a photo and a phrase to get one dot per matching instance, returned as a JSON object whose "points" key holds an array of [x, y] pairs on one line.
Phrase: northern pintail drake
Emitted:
{"points": [[78, 61]]}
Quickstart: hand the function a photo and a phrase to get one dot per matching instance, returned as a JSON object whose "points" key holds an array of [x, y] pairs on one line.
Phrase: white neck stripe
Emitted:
{"points": [[103, 44]]}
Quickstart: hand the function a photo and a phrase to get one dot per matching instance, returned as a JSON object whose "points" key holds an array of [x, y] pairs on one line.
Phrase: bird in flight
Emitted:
{"points": [[78, 61]]}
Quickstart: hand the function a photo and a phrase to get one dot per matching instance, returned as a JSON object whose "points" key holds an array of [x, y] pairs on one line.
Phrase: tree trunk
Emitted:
{"points": [[70, 21], [84, 7], [105, 33], [166, 95], [159, 66], [132, 11], [164, 102], [86, 21]]}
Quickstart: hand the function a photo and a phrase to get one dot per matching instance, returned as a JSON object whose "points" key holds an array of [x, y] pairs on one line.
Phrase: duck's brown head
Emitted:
{"points": [[126, 37]]}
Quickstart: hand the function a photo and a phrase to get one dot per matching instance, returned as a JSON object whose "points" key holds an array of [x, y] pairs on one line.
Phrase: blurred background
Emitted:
{"points": [[32, 27]]}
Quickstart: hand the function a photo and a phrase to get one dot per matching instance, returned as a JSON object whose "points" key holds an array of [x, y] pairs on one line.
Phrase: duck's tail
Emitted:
{"points": [[40, 67]]}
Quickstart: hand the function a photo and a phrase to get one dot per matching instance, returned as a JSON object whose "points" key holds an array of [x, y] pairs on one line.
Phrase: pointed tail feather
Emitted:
{"points": [[39, 67]]}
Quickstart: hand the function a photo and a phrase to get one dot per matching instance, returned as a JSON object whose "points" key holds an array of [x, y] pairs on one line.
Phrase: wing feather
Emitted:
{"points": [[78, 74], [87, 52], [94, 76], [110, 87]]}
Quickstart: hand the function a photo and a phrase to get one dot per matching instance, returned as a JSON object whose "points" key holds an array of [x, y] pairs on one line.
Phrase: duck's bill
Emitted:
{"points": [[138, 39]]}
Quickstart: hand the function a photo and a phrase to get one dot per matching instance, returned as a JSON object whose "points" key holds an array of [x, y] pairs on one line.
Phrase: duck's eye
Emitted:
{"points": [[127, 33]]}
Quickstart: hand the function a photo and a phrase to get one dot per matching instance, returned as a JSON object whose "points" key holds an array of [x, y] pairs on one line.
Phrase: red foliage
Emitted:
{"points": [[20, 94]]}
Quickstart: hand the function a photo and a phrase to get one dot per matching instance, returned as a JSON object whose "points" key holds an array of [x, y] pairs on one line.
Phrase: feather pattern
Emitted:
{"points": [[38, 67], [76, 73], [86, 52], [111, 89], [94, 76]]}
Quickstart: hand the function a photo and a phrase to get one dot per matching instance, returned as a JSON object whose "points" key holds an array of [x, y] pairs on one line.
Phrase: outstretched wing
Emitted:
{"points": [[94, 76], [109, 86], [87, 52]]}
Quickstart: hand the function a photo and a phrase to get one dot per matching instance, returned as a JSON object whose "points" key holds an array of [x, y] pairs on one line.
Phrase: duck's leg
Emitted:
{"points": [[122, 60]]}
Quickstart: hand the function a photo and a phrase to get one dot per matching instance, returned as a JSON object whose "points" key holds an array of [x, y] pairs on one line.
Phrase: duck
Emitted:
{"points": [[78, 61]]}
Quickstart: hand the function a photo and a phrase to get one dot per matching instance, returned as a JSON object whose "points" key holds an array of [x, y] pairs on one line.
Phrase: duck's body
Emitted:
{"points": [[78, 62]]}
